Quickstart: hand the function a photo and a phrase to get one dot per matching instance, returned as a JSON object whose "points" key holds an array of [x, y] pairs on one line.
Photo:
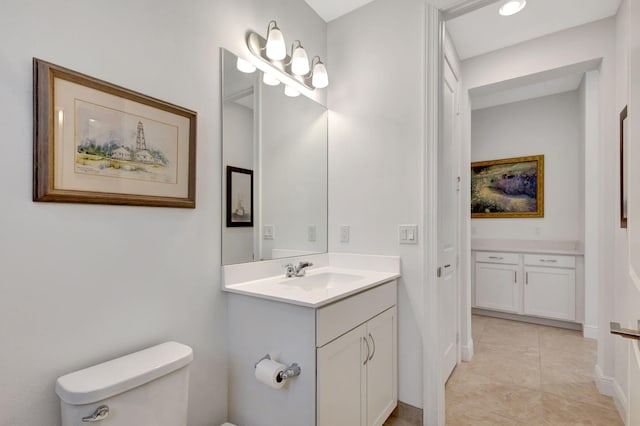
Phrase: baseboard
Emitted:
{"points": [[466, 351], [609, 386], [525, 318], [590, 331]]}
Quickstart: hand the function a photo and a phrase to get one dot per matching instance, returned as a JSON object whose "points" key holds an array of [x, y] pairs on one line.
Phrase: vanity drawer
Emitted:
{"points": [[551, 260], [497, 257], [338, 318]]}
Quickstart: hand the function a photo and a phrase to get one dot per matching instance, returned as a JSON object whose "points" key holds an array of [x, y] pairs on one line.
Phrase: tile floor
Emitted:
{"points": [[524, 374], [527, 374]]}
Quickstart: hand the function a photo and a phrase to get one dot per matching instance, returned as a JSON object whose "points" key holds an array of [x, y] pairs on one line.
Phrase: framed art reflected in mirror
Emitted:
{"points": [[239, 197]]}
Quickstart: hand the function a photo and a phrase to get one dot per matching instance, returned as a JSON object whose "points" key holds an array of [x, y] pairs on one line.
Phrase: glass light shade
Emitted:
{"points": [[270, 80], [299, 61], [291, 92], [245, 66], [512, 7], [320, 77], [276, 49]]}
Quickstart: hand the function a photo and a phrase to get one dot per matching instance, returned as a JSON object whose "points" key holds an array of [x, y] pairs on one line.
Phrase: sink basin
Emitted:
{"points": [[323, 280]]}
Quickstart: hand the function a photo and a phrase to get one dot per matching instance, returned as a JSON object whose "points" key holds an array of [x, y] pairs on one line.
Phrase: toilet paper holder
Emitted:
{"points": [[291, 371]]}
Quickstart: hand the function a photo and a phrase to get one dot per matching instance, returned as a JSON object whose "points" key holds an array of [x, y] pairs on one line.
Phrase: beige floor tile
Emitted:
{"points": [[525, 374], [558, 410]]}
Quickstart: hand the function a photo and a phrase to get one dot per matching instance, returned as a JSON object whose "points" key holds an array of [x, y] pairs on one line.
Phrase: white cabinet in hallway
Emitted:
{"points": [[550, 292], [496, 278], [533, 284]]}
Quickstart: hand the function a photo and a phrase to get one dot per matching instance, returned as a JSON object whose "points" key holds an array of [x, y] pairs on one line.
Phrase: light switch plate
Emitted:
{"points": [[344, 233], [268, 232], [311, 232], [408, 234]]}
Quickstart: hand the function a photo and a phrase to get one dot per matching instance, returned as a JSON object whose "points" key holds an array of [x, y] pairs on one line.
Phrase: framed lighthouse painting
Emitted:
{"points": [[95, 142]]}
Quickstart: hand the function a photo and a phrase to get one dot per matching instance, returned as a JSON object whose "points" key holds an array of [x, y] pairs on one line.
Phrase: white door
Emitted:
{"points": [[448, 207], [633, 202]]}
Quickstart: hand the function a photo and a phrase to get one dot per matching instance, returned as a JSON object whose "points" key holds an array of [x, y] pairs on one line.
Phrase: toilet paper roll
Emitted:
{"points": [[267, 372]]}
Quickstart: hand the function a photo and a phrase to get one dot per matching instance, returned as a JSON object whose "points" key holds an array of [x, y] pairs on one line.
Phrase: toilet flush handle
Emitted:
{"points": [[101, 413]]}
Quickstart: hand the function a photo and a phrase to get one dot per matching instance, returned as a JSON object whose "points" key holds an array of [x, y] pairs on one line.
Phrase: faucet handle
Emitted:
{"points": [[290, 270], [304, 264]]}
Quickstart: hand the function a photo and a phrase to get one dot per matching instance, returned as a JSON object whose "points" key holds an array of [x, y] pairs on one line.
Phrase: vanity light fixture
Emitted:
{"points": [[291, 92], [276, 48], [245, 66], [512, 7], [294, 70], [320, 77], [299, 59], [269, 80]]}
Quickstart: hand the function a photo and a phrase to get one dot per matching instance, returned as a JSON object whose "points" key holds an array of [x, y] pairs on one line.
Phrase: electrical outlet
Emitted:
{"points": [[268, 232], [344, 233]]}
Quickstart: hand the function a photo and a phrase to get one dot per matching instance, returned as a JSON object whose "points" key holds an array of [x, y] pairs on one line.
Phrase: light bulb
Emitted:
{"points": [[299, 61], [245, 66], [291, 92], [270, 80], [320, 77], [512, 7], [276, 48]]}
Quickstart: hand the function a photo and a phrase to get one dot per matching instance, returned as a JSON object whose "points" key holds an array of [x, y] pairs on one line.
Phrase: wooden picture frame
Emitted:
{"points": [[239, 197], [508, 188], [95, 142], [624, 170]]}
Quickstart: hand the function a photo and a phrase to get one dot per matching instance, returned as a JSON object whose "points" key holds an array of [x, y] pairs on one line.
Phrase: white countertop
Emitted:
{"points": [[333, 277], [568, 248]]}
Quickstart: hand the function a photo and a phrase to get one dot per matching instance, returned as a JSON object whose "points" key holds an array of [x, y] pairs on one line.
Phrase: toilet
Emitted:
{"points": [[145, 388]]}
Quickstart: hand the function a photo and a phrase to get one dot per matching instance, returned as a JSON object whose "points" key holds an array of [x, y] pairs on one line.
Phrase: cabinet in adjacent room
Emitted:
{"points": [[534, 284]]}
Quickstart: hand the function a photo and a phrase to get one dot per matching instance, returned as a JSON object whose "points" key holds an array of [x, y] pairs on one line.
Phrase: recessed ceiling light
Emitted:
{"points": [[512, 7]]}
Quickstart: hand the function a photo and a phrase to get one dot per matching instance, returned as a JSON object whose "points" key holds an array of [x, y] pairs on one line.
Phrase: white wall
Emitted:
{"points": [[584, 43], [546, 126], [376, 58], [61, 308]]}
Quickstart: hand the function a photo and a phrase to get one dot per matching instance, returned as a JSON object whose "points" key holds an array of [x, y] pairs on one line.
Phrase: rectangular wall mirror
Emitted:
{"points": [[274, 147]]}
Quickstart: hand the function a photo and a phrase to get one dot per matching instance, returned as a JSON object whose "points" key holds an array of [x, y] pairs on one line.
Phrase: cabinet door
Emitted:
{"points": [[382, 367], [550, 292], [341, 380], [497, 287]]}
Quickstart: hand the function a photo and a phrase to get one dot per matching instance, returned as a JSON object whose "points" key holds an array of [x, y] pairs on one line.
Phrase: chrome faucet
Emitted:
{"points": [[297, 271]]}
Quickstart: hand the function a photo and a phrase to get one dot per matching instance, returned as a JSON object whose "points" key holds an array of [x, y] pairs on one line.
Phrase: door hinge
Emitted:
{"points": [[439, 271], [458, 184]]}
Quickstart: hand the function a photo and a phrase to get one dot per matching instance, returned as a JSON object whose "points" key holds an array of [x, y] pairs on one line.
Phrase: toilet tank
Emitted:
{"points": [[145, 388]]}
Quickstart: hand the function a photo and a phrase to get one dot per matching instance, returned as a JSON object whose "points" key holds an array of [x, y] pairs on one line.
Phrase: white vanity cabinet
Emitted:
{"points": [[534, 284], [357, 371], [347, 351]]}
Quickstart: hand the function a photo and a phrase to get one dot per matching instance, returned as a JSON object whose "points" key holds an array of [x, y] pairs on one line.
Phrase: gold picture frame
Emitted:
{"points": [[508, 188], [95, 142]]}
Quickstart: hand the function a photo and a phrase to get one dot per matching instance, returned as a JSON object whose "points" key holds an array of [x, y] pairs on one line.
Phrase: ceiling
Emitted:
{"points": [[332, 9], [484, 30]]}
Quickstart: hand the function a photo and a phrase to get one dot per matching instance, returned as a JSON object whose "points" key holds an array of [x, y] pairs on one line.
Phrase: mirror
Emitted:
{"points": [[274, 169]]}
